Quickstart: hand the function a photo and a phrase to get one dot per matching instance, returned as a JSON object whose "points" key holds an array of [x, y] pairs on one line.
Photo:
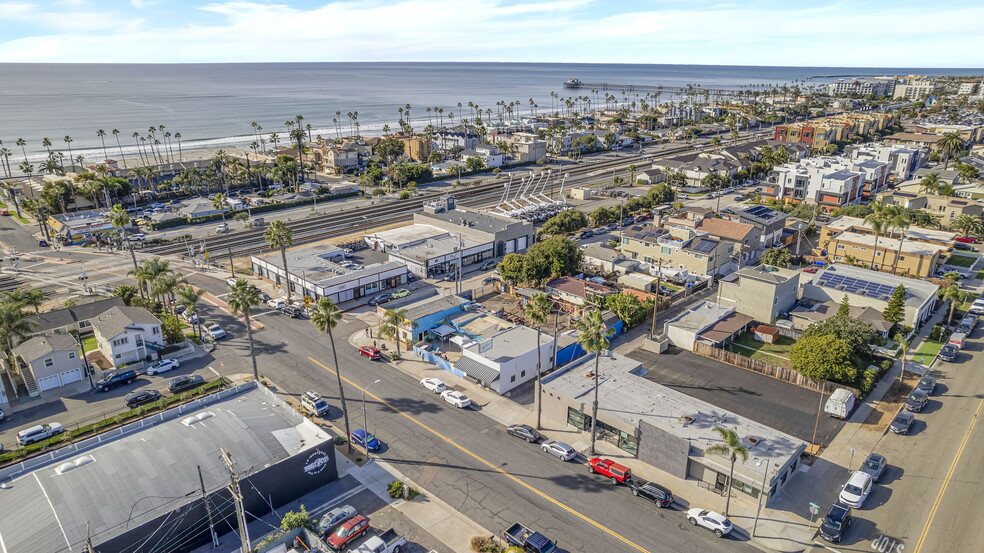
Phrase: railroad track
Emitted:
{"points": [[336, 224]]}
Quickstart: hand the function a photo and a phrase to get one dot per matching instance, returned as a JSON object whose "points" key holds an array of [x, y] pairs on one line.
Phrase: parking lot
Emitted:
{"points": [[771, 402]]}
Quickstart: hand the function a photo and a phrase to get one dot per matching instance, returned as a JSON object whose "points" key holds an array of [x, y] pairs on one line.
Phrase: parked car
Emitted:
{"points": [[190, 316], [525, 432], [618, 474], [346, 533], [380, 298], [215, 332], [949, 352], [963, 247], [112, 379], [874, 466], [902, 422], [836, 522], [141, 397], [612, 226], [364, 440], [291, 311], [958, 339], [966, 240], [370, 352], [916, 400], [840, 403], [585, 234], [231, 281], [528, 540], [433, 384], [599, 231], [810, 270], [709, 520], [276, 303], [224, 227], [185, 382], [39, 432], [43, 243], [330, 520], [313, 403], [558, 449], [456, 398], [856, 490], [652, 491], [401, 293], [977, 308], [163, 365], [927, 384], [489, 265]]}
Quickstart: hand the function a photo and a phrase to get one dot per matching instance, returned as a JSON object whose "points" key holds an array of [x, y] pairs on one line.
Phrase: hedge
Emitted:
{"points": [[181, 221], [114, 421]]}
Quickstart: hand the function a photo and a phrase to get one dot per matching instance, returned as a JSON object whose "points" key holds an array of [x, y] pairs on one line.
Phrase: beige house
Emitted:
{"points": [[334, 159], [945, 207], [127, 334], [762, 292], [678, 247], [46, 363], [914, 251]]}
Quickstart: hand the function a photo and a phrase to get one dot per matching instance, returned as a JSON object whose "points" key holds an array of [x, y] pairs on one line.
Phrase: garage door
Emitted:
{"points": [[521, 243], [68, 377], [49, 382], [511, 246]]}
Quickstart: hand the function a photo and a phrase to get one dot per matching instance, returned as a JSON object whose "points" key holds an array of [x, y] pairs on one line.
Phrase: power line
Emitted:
{"points": [[237, 496]]}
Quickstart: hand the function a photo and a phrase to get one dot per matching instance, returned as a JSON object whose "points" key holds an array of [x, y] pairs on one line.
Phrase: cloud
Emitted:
{"points": [[760, 32]]}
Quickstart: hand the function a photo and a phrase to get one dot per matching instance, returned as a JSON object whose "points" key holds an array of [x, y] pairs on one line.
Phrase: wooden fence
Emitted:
{"points": [[768, 369]]}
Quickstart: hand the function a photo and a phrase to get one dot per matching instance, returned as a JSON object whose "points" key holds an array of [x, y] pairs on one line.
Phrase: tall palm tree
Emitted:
{"points": [[876, 221], [593, 337], [14, 325], [116, 133], [279, 236], [952, 293], [120, 219], [28, 298], [325, 316], [219, 203], [102, 136], [68, 142], [243, 299], [188, 297], [392, 319], [165, 286], [731, 448], [968, 225], [148, 271], [951, 143], [537, 311]]}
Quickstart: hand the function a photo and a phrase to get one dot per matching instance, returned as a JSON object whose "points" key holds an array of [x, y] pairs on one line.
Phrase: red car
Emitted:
{"points": [[5, 212], [370, 352], [810, 270], [966, 240], [348, 532], [619, 474]]}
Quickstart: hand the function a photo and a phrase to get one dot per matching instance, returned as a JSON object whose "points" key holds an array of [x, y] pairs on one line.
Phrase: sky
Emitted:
{"points": [[828, 33]]}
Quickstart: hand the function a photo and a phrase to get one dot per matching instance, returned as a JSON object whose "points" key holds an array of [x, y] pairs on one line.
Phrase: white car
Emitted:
{"points": [[39, 432], [162, 366], [558, 449], [456, 398], [709, 520], [231, 281], [224, 227], [190, 316], [433, 384], [856, 490], [276, 303], [139, 237], [215, 332]]}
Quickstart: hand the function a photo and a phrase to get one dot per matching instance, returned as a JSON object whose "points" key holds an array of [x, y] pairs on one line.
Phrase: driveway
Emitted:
{"points": [[771, 402]]}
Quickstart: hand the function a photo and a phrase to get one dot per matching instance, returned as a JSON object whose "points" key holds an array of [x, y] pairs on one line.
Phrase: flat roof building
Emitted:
{"points": [[864, 287]]}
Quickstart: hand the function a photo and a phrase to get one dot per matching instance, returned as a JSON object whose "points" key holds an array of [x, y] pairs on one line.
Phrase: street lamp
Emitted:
{"points": [[765, 473], [365, 416]]}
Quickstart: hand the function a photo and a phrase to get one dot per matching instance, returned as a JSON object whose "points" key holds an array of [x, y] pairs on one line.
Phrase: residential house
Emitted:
{"points": [[49, 362], [706, 322], [867, 288], [808, 312], [71, 319], [915, 139], [489, 154], [529, 148], [597, 256], [913, 251], [945, 207], [333, 159], [902, 160], [508, 359], [769, 222], [199, 207], [578, 295], [827, 181], [678, 247], [763, 292], [127, 334], [461, 136]]}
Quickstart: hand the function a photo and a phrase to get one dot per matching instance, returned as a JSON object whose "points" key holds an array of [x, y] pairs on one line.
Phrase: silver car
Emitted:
{"points": [[334, 517], [874, 466], [558, 449]]}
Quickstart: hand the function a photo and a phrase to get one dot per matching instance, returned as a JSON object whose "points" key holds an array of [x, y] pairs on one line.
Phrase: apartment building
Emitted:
{"points": [[528, 147], [820, 133], [902, 160], [915, 251], [914, 90], [827, 181], [877, 87], [762, 292], [679, 247], [973, 134], [945, 207]]}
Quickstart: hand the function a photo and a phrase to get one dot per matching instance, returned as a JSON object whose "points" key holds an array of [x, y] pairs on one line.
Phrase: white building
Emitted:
{"points": [[867, 288], [506, 359], [127, 334], [827, 180], [903, 161], [877, 86], [49, 362]]}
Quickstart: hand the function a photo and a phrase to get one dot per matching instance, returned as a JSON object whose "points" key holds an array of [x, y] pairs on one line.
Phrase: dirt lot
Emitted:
{"points": [[886, 409]]}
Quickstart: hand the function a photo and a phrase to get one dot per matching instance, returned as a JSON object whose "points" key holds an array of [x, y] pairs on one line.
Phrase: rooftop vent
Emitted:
{"points": [[72, 465], [203, 416]]}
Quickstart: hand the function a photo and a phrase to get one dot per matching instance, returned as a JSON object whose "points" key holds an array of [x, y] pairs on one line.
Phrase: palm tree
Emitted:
{"points": [[14, 324], [148, 272], [219, 203], [951, 143], [952, 293], [68, 142], [930, 184], [116, 133], [188, 297], [325, 316], [729, 447], [968, 225], [279, 236], [594, 336], [243, 298], [29, 298], [876, 221], [392, 319], [165, 286], [537, 310], [102, 136], [120, 219]]}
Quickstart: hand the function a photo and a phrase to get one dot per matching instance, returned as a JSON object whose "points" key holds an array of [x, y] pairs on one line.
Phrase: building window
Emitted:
{"points": [[840, 246], [71, 355], [49, 362], [578, 419], [522, 374], [512, 378], [119, 355], [747, 488], [84, 324]]}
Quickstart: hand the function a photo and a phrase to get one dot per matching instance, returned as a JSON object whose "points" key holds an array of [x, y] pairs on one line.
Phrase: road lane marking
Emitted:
{"points": [[53, 511], [826, 547], [949, 475], [492, 466]]}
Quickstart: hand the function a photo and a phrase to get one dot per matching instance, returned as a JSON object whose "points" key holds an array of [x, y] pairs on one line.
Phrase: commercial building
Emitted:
{"points": [[867, 288], [507, 359], [422, 316], [914, 251], [903, 161], [505, 234], [315, 272], [945, 207], [763, 292], [914, 89], [80, 227], [876, 87], [140, 484], [668, 429]]}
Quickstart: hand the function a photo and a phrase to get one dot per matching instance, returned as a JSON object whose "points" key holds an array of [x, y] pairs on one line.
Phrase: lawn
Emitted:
{"points": [[89, 343], [961, 261], [777, 354], [927, 351]]}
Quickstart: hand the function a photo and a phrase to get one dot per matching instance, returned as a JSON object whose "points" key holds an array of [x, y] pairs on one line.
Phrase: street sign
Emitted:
{"points": [[814, 509]]}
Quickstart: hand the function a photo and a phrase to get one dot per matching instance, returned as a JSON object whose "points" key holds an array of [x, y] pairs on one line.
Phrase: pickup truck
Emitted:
{"points": [[619, 474], [387, 542], [530, 541]]}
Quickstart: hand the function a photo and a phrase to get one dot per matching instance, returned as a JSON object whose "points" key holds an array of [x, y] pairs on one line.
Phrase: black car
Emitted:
{"points": [[141, 397], [836, 522], [927, 384], [525, 432], [874, 466], [585, 234], [380, 298], [113, 379], [652, 491], [182, 383], [612, 226], [290, 311], [949, 352], [962, 246], [916, 400], [902, 422]]}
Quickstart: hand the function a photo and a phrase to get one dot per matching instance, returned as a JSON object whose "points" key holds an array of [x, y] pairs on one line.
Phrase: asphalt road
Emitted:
{"points": [[460, 455]]}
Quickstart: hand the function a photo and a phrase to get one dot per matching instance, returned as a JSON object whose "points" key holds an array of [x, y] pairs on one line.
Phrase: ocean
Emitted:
{"points": [[213, 105]]}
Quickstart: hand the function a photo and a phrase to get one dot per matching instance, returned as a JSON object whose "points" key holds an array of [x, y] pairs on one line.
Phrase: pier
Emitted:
{"points": [[577, 83]]}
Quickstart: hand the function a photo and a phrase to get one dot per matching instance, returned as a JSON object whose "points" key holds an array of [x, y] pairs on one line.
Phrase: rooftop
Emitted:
{"points": [[624, 394], [39, 346], [315, 265], [762, 214], [509, 343], [61, 318], [884, 243], [701, 316], [124, 482], [406, 236], [430, 306], [912, 233], [876, 284], [729, 230], [768, 273], [471, 219], [115, 320], [577, 287], [435, 247]]}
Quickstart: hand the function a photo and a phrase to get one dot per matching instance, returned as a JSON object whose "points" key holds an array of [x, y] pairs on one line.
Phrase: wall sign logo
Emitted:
{"points": [[316, 462]]}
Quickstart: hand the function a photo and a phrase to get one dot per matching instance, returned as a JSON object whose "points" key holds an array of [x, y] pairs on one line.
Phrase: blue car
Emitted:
{"points": [[364, 440]]}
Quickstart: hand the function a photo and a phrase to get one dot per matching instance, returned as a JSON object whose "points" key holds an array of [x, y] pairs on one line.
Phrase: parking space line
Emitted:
{"points": [[489, 464], [53, 511], [337, 500], [825, 546], [215, 372]]}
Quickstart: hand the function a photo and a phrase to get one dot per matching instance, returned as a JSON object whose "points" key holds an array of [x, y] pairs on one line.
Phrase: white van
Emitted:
{"points": [[840, 404], [958, 339], [856, 490]]}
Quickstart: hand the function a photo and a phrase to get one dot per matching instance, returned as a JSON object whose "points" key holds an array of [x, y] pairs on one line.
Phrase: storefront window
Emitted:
{"points": [[578, 419]]}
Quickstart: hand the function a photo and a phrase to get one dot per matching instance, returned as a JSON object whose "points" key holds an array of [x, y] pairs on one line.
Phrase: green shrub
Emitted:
{"points": [[340, 440]]}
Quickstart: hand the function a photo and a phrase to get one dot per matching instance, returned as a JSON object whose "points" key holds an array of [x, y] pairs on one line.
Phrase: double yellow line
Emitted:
{"points": [[473, 455]]}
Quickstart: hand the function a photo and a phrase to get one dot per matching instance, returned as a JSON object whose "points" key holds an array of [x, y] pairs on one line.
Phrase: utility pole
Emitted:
{"points": [[88, 540], [208, 510], [539, 375], [659, 275], [237, 498]]}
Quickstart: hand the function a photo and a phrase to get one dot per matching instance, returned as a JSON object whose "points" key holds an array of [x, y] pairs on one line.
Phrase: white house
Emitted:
{"points": [[127, 334], [49, 362], [506, 359]]}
